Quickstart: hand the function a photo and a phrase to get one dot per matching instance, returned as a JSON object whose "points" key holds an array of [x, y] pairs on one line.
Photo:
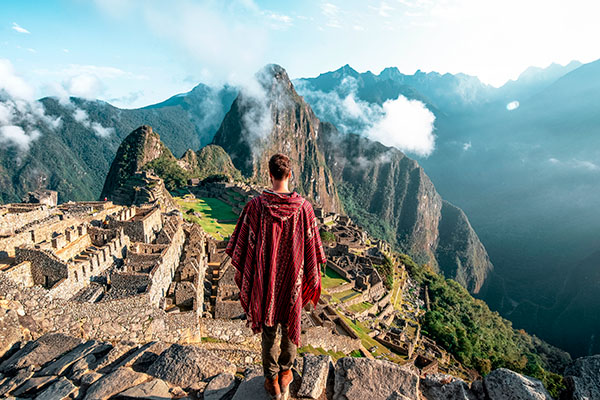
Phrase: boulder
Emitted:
{"points": [[155, 389], [504, 384], [582, 378], [59, 390], [361, 378], [11, 383], [33, 385], [445, 387], [114, 383], [40, 352], [314, 376], [219, 386], [252, 387], [59, 366], [188, 366]]}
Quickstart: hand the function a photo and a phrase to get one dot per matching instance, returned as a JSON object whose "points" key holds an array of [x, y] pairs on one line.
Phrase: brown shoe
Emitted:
{"points": [[272, 388], [285, 378]]}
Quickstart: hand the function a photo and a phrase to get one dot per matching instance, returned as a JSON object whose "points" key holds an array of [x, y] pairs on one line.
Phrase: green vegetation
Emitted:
{"points": [[330, 279], [354, 199], [386, 270], [360, 307], [327, 237], [478, 337], [335, 355], [169, 171], [344, 296], [212, 211]]}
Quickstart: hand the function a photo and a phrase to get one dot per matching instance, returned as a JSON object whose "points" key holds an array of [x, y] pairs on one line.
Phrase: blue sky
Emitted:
{"points": [[134, 53]]}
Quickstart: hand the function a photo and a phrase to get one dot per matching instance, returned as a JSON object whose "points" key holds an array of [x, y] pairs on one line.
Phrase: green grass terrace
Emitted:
{"points": [[215, 216]]}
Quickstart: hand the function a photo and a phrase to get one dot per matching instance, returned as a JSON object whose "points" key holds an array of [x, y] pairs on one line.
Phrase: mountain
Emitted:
{"points": [[74, 160], [139, 149], [278, 120], [528, 178], [142, 150], [533, 80], [391, 196]]}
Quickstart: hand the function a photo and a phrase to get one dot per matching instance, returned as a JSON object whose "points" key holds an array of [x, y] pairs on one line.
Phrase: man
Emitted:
{"points": [[277, 251]]}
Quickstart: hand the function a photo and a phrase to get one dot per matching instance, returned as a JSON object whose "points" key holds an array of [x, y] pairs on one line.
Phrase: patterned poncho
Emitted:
{"points": [[277, 251]]}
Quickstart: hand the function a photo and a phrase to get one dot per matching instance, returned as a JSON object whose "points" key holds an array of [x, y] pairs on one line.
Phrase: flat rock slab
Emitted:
{"points": [[252, 387], [314, 376], [582, 378], [445, 387], [219, 386], [114, 383], [59, 390], [188, 366], [361, 378], [33, 385], [153, 390], [504, 384], [59, 366], [38, 353], [11, 383]]}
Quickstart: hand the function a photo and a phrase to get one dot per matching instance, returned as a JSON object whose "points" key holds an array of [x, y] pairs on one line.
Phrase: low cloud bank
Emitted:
{"points": [[405, 124], [21, 117]]}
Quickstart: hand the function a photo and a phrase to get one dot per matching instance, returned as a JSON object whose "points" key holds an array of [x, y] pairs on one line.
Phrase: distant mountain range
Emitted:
{"points": [[527, 178]]}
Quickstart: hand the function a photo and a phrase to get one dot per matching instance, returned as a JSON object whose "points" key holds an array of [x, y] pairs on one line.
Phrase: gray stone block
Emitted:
{"points": [[114, 383], [59, 390], [188, 366], [155, 389], [504, 384], [314, 376], [219, 386], [361, 378]]}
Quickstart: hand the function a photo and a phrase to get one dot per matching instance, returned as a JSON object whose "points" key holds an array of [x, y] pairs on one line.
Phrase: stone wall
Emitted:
{"points": [[322, 337], [231, 331], [162, 274], [46, 269], [19, 273], [14, 216]]}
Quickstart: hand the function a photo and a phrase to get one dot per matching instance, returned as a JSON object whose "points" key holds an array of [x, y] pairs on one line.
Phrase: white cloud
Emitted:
{"points": [[586, 165], [13, 84], [331, 12], [16, 135], [513, 105], [101, 131], [19, 28], [383, 9], [405, 124], [82, 117], [20, 115]]}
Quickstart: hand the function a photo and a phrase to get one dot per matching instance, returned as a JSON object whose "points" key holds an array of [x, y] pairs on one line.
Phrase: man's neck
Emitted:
{"points": [[280, 187]]}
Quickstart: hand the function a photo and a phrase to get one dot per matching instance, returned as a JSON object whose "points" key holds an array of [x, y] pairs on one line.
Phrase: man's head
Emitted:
{"points": [[279, 167]]}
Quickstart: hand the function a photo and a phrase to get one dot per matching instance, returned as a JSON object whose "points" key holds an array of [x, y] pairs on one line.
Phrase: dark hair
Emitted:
{"points": [[279, 166]]}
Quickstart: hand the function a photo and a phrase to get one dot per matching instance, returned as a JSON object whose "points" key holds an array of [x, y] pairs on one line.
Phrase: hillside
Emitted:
{"points": [[392, 196], [74, 160]]}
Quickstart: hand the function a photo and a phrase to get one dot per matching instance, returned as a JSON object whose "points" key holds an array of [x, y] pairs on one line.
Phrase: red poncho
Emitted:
{"points": [[277, 251]]}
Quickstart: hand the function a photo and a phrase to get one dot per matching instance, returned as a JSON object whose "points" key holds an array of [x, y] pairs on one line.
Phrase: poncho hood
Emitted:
{"points": [[282, 206]]}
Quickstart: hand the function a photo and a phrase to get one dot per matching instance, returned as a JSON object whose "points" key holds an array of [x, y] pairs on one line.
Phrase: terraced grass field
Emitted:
{"points": [[211, 211], [330, 279]]}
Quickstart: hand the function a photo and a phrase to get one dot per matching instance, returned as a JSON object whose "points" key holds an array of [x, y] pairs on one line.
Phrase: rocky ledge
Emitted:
{"points": [[57, 366]]}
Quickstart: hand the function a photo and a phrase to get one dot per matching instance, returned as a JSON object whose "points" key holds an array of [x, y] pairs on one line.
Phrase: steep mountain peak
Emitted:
{"points": [[139, 148], [280, 121]]}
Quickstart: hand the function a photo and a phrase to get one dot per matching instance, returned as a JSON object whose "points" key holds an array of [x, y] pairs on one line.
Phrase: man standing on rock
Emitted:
{"points": [[277, 251]]}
